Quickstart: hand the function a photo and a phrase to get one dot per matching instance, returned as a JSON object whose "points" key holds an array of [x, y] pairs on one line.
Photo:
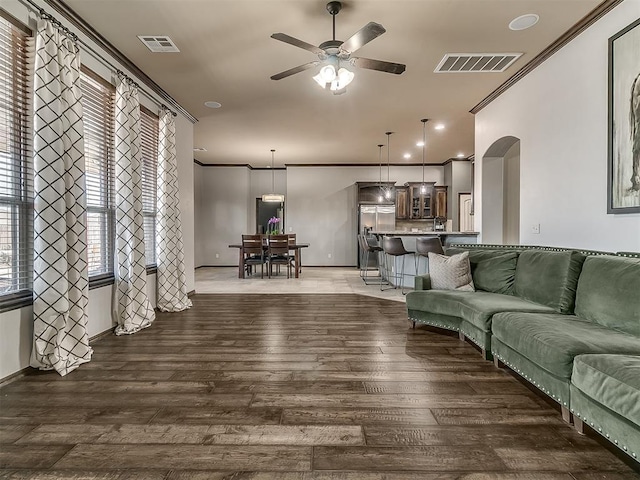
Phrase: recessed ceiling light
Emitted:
{"points": [[460, 155], [524, 21], [212, 104], [439, 126], [420, 144], [199, 149]]}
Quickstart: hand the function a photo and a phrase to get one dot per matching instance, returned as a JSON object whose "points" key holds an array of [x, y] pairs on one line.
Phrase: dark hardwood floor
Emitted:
{"points": [[295, 387]]}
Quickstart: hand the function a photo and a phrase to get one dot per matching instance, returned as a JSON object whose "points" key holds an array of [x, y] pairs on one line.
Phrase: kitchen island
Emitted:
{"points": [[409, 240]]}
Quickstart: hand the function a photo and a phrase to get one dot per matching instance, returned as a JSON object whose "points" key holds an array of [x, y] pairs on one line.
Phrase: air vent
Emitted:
{"points": [[158, 43], [476, 62]]}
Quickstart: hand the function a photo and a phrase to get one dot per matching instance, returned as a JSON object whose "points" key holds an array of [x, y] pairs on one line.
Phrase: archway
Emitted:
{"points": [[501, 192]]}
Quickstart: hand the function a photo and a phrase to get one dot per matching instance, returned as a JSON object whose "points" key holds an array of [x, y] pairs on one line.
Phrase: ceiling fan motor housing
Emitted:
{"points": [[331, 46], [334, 7]]}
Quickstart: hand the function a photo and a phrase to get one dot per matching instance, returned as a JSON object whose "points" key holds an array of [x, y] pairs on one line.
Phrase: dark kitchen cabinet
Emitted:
{"points": [[427, 202], [440, 201], [402, 197]]}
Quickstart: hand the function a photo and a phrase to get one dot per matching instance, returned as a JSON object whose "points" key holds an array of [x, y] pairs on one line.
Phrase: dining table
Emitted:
{"points": [[295, 247]]}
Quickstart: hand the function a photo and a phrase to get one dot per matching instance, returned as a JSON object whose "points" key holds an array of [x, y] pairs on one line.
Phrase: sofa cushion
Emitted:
{"points": [[450, 273], [609, 292], [552, 340], [610, 380], [492, 270], [549, 278], [476, 308]]}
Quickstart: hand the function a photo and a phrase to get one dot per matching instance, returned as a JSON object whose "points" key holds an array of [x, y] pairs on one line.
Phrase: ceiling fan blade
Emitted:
{"points": [[294, 70], [389, 67], [283, 37], [363, 36]]}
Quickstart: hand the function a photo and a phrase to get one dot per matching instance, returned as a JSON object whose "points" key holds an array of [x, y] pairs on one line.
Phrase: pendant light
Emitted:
{"points": [[381, 196], [273, 197], [423, 187], [388, 190]]}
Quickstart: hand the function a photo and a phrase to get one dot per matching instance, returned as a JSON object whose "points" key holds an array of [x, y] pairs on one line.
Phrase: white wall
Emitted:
{"points": [[224, 213], [511, 225], [492, 200], [559, 112], [184, 153], [198, 228], [460, 183], [16, 326], [321, 207]]}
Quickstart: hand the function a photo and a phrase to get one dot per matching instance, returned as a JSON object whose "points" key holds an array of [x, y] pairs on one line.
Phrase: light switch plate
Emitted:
{"points": [[535, 228]]}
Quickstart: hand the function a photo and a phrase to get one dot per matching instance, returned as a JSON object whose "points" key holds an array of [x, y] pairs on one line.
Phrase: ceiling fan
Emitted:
{"points": [[335, 56]]}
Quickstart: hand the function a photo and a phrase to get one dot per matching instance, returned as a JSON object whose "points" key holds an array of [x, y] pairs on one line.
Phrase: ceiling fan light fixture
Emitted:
{"points": [[345, 77], [328, 73], [320, 81]]}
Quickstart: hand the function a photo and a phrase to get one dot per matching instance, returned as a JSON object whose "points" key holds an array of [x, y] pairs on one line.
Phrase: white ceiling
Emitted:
{"points": [[226, 55]]}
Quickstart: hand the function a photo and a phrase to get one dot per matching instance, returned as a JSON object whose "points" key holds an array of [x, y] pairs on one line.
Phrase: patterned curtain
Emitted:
{"points": [[133, 309], [60, 269], [170, 278]]}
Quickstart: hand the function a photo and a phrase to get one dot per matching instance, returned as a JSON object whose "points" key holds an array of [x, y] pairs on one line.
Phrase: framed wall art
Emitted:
{"points": [[624, 121]]}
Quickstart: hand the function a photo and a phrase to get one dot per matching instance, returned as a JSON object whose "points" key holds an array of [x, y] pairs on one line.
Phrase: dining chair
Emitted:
{"points": [[278, 253], [292, 241], [252, 254]]}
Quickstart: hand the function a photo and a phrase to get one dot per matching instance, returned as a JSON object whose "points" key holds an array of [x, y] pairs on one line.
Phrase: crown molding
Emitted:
{"points": [[333, 165]]}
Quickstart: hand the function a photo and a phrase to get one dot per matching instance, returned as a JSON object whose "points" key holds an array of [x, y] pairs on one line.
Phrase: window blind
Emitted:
{"points": [[98, 99], [149, 146], [16, 167]]}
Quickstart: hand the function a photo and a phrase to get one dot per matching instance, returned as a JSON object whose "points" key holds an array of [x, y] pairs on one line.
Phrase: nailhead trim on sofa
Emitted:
{"points": [[433, 324], [472, 337], [526, 377], [605, 434], [488, 246]]}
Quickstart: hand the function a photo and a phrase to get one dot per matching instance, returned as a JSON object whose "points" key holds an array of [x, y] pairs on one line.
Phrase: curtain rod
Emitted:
{"points": [[34, 7]]}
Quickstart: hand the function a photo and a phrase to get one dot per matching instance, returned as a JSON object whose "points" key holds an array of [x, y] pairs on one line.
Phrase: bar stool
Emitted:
{"points": [[368, 247], [424, 245], [393, 247]]}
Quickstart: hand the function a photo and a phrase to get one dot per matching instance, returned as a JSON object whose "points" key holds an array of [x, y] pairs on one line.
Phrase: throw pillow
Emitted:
{"points": [[450, 273]]}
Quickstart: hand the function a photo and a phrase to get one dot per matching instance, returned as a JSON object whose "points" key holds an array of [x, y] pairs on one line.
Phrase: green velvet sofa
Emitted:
{"points": [[512, 279], [605, 394], [554, 316]]}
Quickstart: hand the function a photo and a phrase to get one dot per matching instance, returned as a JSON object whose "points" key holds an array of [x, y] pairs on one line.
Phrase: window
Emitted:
{"points": [[16, 168], [149, 146], [98, 99]]}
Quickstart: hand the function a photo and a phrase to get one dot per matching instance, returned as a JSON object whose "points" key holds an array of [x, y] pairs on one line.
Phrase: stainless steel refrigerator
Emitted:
{"points": [[377, 218]]}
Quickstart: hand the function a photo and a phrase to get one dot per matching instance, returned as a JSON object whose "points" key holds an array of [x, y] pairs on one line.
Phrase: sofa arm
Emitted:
{"points": [[422, 282]]}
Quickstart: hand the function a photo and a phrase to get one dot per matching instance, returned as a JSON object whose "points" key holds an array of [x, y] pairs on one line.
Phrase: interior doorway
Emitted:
{"points": [[465, 217], [267, 210], [501, 192]]}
